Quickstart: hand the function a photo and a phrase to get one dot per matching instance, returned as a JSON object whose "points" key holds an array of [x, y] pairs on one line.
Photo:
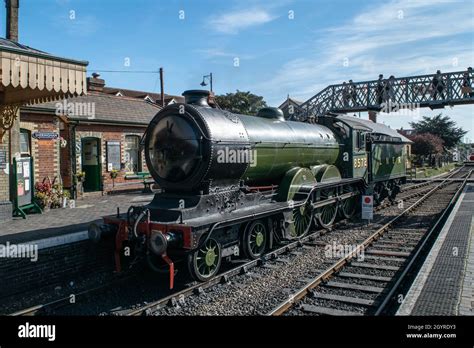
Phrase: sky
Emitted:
{"points": [[271, 48]]}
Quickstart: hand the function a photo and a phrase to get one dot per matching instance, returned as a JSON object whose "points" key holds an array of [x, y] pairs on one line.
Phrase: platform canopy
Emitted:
{"points": [[29, 76]]}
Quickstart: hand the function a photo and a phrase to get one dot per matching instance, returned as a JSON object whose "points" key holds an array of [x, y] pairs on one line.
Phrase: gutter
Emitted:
{"points": [[36, 110]]}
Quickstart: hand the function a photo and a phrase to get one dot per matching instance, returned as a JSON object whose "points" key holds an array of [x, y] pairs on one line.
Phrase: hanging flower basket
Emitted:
{"points": [[114, 173], [62, 142], [81, 176]]}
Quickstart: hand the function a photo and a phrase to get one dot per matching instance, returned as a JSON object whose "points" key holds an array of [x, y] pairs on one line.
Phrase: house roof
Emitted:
{"points": [[290, 101], [100, 107], [142, 94]]}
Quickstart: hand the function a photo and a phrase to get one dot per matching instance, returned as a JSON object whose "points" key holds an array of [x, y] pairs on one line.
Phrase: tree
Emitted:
{"points": [[426, 144], [441, 126], [427, 147], [241, 102]]}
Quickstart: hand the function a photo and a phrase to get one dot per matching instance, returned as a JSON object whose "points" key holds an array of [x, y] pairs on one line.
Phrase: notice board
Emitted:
{"points": [[113, 155], [23, 180]]}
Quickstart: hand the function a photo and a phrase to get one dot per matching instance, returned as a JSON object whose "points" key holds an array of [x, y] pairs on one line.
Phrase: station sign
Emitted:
{"points": [[368, 207], [45, 135]]}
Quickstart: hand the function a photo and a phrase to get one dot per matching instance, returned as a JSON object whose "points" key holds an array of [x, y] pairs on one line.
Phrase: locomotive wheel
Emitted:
{"points": [[294, 189], [204, 263], [389, 191], [395, 189], [254, 241], [326, 215], [302, 218], [348, 206], [378, 192]]}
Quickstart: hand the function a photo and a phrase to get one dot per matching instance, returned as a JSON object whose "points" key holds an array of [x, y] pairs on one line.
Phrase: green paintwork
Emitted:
{"points": [[210, 257], [388, 160], [326, 173], [359, 164], [294, 181], [91, 165], [92, 179], [280, 146], [259, 239]]}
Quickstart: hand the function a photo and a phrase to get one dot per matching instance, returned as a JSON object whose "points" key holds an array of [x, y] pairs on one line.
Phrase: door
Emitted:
{"points": [[91, 164]]}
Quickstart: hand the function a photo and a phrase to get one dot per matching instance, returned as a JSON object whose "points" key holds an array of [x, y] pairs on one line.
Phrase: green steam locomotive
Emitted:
{"points": [[235, 185]]}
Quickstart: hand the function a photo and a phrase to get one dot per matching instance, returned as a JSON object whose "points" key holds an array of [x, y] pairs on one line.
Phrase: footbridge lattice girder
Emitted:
{"points": [[389, 95]]}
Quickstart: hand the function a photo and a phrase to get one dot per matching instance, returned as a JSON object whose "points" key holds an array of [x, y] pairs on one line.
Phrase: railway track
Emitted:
{"points": [[417, 190], [181, 301], [373, 287], [178, 297]]}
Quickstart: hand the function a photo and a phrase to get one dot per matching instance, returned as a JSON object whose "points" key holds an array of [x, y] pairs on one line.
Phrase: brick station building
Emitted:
{"points": [[27, 76], [95, 134]]}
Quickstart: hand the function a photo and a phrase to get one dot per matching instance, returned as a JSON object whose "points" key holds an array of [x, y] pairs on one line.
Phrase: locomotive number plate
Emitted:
{"points": [[360, 162]]}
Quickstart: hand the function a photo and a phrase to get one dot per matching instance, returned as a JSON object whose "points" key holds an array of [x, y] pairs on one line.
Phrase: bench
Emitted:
{"points": [[146, 180]]}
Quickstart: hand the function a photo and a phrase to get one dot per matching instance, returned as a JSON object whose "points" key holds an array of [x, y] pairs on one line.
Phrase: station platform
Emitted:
{"points": [[445, 283], [66, 225]]}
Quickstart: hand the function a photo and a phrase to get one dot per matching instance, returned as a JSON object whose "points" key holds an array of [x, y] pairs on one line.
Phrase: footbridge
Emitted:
{"points": [[389, 95]]}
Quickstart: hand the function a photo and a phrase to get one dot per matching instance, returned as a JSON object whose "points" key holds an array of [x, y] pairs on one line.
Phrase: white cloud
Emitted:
{"points": [[233, 22], [215, 52], [401, 38]]}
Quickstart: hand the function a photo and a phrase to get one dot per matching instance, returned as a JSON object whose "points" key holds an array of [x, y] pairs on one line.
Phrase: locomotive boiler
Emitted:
{"points": [[235, 185], [194, 147]]}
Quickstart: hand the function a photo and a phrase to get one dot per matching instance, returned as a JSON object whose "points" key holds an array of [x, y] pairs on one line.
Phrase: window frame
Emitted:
{"points": [[28, 135], [126, 149]]}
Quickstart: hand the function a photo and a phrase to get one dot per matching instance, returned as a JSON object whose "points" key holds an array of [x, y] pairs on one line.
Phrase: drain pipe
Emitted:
{"points": [[73, 154]]}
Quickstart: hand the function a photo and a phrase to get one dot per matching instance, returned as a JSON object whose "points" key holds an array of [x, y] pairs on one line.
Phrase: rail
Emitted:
{"points": [[334, 268]]}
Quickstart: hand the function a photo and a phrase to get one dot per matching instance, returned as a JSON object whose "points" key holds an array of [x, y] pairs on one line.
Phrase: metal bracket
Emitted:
{"points": [[8, 115]]}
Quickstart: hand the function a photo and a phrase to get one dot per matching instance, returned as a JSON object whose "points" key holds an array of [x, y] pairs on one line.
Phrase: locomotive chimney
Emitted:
{"points": [[196, 97], [373, 116], [12, 19]]}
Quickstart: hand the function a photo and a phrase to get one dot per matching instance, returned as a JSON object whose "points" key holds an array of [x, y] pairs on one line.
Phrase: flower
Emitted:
{"points": [[114, 173]]}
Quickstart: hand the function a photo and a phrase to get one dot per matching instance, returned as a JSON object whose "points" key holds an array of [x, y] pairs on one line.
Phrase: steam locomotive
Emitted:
{"points": [[235, 185]]}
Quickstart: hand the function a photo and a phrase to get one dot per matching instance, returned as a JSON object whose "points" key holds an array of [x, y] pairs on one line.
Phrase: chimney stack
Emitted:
{"points": [[373, 116], [12, 19], [95, 83]]}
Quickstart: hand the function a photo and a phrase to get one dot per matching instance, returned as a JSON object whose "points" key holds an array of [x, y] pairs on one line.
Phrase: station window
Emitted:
{"points": [[133, 163], [25, 142]]}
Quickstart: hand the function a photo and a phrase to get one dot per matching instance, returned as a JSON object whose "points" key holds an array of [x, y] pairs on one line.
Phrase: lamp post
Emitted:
{"points": [[204, 83]]}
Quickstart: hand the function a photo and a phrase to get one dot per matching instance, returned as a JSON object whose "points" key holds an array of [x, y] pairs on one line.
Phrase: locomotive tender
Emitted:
{"points": [[236, 185]]}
